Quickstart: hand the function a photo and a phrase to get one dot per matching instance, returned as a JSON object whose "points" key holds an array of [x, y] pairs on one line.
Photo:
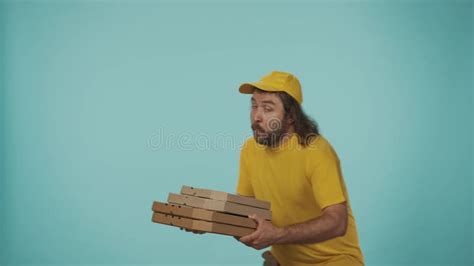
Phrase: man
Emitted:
{"points": [[290, 164]]}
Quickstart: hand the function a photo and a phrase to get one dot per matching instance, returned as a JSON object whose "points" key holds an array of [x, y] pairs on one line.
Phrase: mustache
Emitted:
{"points": [[256, 126]]}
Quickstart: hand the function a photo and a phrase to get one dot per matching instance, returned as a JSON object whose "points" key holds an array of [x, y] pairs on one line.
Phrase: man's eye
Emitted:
{"points": [[267, 109]]}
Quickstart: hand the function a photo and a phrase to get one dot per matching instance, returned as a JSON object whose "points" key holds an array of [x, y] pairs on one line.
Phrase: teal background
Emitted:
{"points": [[90, 90]]}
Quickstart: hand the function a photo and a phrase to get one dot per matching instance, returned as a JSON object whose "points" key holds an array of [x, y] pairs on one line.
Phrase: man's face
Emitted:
{"points": [[268, 118]]}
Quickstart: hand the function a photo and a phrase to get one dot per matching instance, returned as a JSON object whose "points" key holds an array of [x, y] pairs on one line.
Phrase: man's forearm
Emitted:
{"points": [[313, 231]]}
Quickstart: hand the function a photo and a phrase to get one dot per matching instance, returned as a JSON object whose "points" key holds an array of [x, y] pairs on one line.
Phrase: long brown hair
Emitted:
{"points": [[305, 126]]}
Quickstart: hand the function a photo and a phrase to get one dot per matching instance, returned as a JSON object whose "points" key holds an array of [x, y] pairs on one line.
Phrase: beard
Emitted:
{"points": [[278, 129]]}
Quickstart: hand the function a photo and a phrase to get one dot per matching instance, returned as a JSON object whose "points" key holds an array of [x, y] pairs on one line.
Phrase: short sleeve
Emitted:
{"points": [[244, 184], [326, 180]]}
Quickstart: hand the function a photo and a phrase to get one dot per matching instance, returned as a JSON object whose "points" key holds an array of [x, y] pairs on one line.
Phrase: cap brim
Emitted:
{"points": [[248, 88]]}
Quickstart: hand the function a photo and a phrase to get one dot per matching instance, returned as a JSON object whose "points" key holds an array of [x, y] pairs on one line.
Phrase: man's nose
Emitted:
{"points": [[257, 115]]}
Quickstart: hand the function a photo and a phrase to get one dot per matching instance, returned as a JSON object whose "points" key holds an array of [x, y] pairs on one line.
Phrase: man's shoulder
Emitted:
{"points": [[320, 146], [318, 143]]}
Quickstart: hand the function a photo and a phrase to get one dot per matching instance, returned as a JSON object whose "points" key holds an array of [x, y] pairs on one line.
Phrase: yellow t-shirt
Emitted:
{"points": [[299, 182]]}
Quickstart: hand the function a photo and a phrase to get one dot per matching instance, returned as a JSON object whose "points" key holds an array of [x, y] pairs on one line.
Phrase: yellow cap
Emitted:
{"points": [[276, 81]]}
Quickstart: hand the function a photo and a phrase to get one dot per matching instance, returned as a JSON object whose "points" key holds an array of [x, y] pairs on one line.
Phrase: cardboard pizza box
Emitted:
{"points": [[224, 196], [202, 214], [198, 225], [217, 205]]}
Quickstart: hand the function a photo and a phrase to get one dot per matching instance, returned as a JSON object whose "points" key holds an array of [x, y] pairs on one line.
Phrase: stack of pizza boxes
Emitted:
{"points": [[212, 211]]}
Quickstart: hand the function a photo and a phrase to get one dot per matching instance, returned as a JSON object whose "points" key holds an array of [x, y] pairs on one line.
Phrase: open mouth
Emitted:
{"points": [[259, 132]]}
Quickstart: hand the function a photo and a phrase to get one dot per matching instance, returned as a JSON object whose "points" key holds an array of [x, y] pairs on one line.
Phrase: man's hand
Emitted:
{"points": [[265, 235]]}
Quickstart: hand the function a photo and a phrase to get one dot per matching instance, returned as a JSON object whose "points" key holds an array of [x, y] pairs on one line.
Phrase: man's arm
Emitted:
{"points": [[332, 223]]}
